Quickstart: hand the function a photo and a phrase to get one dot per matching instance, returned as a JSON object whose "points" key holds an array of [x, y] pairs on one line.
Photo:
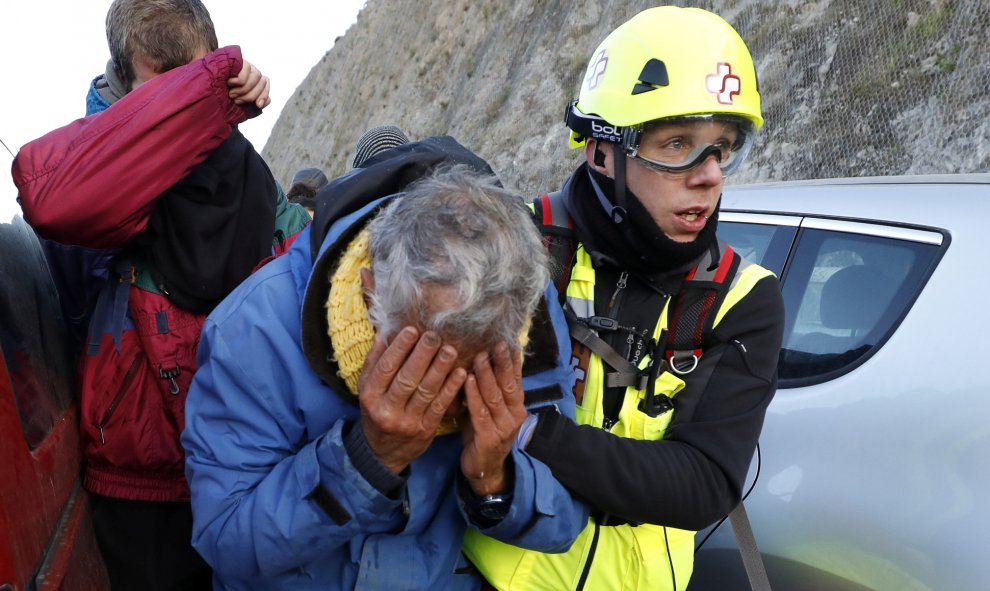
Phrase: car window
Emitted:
{"points": [[845, 285], [844, 293], [763, 239], [32, 334]]}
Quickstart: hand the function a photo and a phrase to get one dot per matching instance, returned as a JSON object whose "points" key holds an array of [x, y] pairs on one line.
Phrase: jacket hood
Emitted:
{"points": [[343, 207]]}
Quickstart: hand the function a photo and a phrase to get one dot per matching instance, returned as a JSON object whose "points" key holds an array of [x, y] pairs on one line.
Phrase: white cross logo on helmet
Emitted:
{"points": [[597, 69], [723, 84]]}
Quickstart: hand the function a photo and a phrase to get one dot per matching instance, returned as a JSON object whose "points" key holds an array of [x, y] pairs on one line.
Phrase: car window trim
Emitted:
{"points": [[873, 229], [759, 218]]}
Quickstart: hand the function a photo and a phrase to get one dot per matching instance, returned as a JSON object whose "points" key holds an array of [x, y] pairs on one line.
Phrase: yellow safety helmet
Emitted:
{"points": [[666, 62]]}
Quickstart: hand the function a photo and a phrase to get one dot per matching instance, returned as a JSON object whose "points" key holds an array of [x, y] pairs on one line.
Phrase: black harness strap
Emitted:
{"points": [[691, 316], [691, 312], [626, 373]]}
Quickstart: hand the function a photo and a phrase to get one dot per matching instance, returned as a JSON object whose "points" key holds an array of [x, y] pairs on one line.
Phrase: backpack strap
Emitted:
{"points": [[625, 374], [110, 312], [756, 571], [692, 311], [557, 229]]}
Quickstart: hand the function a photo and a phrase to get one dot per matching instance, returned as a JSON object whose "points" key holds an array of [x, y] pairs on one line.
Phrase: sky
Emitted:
{"points": [[50, 50]]}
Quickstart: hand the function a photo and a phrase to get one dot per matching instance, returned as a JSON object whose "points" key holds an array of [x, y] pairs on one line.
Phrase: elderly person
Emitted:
{"points": [[356, 410]]}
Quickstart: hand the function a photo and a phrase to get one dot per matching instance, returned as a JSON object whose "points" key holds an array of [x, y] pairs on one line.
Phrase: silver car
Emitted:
{"points": [[874, 465]]}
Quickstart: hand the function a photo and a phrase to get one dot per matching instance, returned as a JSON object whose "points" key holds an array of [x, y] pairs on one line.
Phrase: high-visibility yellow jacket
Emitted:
{"points": [[621, 557]]}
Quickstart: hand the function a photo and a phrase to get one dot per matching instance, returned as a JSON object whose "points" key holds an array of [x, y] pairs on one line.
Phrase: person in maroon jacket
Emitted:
{"points": [[145, 235]]}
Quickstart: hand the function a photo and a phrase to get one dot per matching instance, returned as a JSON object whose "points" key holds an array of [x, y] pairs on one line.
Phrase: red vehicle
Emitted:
{"points": [[46, 535]]}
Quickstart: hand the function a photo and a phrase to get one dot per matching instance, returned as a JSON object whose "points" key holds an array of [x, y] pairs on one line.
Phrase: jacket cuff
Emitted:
{"points": [[471, 503], [223, 63], [545, 435], [384, 480]]}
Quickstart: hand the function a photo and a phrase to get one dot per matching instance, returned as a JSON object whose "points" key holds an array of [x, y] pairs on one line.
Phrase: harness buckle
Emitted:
{"points": [[655, 405]]}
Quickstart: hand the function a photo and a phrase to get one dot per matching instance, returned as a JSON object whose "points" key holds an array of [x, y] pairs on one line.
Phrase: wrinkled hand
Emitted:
{"points": [[250, 86], [404, 390], [495, 403]]}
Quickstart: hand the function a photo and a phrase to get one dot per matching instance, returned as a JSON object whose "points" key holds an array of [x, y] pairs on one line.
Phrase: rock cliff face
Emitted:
{"points": [[849, 87]]}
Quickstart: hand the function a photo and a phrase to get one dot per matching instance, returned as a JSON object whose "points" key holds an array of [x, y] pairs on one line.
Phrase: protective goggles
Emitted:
{"points": [[679, 144]]}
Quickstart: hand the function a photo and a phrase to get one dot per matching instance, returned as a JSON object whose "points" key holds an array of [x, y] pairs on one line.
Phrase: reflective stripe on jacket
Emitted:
{"points": [[626, 557]]}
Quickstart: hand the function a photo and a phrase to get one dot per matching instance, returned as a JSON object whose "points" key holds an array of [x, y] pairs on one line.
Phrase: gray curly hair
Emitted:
{"points": [[459, 237]]}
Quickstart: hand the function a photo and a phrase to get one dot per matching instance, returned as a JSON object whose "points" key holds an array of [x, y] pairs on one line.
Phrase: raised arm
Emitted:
{"points": [[92, 183]]}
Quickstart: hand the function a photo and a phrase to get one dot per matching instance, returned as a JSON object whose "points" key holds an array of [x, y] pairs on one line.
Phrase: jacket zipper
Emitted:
{"points": [[614, 305], [170, 375], [607, 424], [124, 384], [591, 558], [619, 286]]}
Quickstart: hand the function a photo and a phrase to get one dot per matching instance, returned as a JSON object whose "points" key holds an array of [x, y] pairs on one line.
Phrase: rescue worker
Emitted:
{"points": [[667, 425]]}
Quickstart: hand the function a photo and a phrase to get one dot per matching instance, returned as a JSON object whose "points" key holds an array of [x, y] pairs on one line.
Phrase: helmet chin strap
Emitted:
{"points": [[620, 213], [616, 208], [617, 212]]}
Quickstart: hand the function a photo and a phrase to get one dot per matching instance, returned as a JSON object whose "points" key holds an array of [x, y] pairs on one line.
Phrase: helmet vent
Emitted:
{"points": [[654, 74]]}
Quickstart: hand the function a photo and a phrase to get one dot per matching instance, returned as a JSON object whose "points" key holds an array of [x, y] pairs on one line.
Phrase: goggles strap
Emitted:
{"points": [[590, 126]]}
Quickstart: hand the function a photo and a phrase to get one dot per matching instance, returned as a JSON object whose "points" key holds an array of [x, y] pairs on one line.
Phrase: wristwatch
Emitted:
{"points": [[486, 510], [492, 508]]}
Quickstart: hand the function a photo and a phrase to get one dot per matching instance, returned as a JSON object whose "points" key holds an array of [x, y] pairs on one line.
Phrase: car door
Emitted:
{"points": [[848, 286], [46, 536]]}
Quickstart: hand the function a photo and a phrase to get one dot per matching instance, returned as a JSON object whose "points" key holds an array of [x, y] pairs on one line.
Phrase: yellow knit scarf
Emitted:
{"points": [[351, 332]]}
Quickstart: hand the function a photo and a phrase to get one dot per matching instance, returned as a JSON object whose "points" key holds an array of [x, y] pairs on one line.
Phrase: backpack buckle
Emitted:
{"points": [[654, 405], [602, 323]]}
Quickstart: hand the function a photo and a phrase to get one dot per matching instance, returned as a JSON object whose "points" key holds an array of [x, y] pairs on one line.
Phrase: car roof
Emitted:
{"points": [[899, 199]]}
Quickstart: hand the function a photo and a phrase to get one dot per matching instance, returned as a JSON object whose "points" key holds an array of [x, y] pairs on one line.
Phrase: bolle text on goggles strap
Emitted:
{"points": [[589, 126]]}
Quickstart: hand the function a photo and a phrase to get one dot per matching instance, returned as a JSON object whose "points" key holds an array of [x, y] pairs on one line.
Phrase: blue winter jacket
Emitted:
{"points": [[277, 502]]}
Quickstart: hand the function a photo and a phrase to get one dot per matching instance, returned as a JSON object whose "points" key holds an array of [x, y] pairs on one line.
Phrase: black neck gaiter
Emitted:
{"points": [[641, 247]]}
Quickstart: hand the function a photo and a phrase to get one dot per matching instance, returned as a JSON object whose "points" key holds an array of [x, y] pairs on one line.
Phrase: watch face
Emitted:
{"points": [[493, 507]]}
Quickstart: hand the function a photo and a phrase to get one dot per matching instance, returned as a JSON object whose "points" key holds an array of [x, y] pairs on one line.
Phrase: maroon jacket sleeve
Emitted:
{"points": [[93, 182]]}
